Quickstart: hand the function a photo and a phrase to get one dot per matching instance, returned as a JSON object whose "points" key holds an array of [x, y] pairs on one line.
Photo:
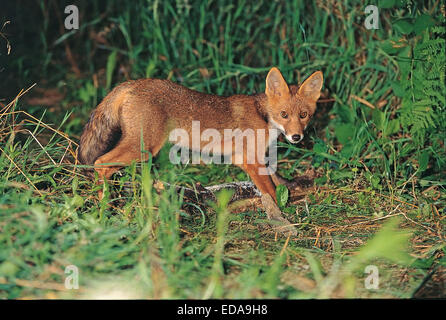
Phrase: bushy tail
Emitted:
{"points": [[102, 132]]}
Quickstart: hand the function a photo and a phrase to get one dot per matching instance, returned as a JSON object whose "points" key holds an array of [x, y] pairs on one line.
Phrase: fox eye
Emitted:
{"points": [[303, 115], [283, 114]]}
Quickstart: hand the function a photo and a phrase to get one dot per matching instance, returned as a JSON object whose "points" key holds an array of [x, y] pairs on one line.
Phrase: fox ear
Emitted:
{"points": [[311, 87], [276, 86]]}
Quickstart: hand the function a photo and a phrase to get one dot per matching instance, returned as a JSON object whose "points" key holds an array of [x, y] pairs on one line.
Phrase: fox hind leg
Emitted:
{"points": [[110, 162], [120, 156]]}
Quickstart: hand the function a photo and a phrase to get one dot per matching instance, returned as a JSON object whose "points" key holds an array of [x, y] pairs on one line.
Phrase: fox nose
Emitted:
{"points": [[296, 137]]}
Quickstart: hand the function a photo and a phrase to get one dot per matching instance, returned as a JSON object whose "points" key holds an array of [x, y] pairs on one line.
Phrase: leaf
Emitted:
{"points": [[399, 3], [404, 26], [319, 148], [8, 268], [423, 161], [374, 180], [202, 179], [386, 4], [389, 47], [320, 181], [398, 89], [111, 64], [389, 243], [241, 176], [338, 175], [290, 209], [378, 119], [282, 195], [150, 69], [423, 263], [422, 23], [223, 198], [345, 113], [344, 133], [393, 126], [347, 151]]}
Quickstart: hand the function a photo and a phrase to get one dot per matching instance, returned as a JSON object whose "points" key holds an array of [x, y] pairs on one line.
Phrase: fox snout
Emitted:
{"points": [[296, 138]]}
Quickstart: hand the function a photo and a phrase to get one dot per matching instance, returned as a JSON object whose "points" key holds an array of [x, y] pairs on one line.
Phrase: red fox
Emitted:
{"points": [[151, 108]]}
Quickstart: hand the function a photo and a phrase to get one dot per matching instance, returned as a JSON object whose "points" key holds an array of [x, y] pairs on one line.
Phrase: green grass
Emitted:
{"points": [[376, 143]]}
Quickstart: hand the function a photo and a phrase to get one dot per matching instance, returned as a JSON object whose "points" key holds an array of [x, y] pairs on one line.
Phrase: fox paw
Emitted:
{"points": [[283, 226], [277, 221]]}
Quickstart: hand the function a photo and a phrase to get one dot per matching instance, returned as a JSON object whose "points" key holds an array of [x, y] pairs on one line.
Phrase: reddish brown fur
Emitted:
{"points": [[153, 107]]}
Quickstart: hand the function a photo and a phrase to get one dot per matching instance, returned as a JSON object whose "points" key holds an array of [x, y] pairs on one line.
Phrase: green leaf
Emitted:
{"points": [[341, 175], [319, 148], [404, 26], [400, 3], [393, 126], [389, 243], [345, 113], [344, 133], [223, 198], [374, 180], [150, 69], [398, 89], [8, 268], [347, 151], [378, 119], [202, 179], [422, 23], [111, 64], [320, 181], [241, 176], [290, 209], [423, 161], [386, 4], [282, 195], [405, 68], [389, 47]]}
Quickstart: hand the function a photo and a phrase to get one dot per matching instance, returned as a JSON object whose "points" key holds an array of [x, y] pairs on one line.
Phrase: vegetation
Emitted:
{"points": [[377, 145]]}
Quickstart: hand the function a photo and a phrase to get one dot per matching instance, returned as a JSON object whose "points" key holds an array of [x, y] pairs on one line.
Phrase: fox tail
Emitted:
{"points": [[103, 130]]}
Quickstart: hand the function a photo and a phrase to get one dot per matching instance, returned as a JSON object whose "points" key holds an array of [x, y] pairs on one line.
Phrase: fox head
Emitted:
{"points": [[290, 112]]}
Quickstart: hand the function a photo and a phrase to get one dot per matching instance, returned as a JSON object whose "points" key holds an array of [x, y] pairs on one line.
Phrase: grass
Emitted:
{"points": [[379, 196]]}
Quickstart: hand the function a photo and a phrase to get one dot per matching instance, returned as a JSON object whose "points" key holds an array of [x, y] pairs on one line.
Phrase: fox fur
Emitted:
{"points": [[151, 108]]}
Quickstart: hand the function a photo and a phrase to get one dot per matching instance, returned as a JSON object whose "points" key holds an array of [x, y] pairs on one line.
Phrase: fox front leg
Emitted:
{"points": [[269, 201]]}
